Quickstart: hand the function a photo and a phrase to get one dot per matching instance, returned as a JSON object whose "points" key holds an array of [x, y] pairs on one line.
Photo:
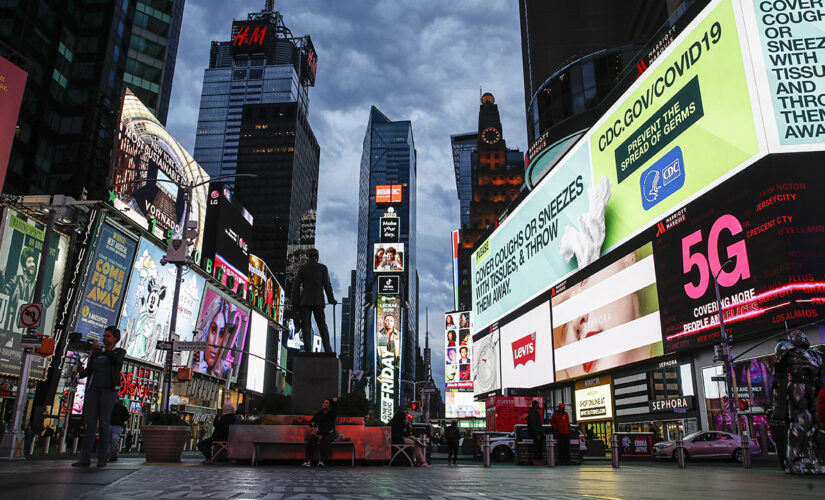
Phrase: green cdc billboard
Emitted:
{"points": [[687, 124]]}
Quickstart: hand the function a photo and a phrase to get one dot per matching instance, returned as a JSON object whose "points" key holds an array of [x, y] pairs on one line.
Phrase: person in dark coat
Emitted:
{"points": [[323, 431], [534, 429], [453, 438], [308, 290], [220, 432], [103, 375]]}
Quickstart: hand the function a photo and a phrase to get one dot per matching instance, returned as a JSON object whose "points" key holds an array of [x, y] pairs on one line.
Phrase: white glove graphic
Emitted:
{"points": [[586, 242]]}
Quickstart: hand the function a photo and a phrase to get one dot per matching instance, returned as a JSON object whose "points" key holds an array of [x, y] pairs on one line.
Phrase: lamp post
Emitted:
{"points": [[722, 352]]}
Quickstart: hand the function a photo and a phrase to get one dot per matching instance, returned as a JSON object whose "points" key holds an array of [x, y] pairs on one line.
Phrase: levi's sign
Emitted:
{"points": [[524, 350]]}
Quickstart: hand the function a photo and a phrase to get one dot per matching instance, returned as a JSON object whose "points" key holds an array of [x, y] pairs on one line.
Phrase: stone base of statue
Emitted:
{"points": [[315, 377]]}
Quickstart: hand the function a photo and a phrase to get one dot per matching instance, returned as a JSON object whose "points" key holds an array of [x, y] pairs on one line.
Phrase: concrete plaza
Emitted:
{"points": [[133, 478]]}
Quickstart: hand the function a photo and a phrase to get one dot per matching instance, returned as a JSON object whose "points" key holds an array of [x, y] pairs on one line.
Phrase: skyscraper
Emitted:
{"points": [[387, 199], [254, 120], [347, 326], [79, 57]]}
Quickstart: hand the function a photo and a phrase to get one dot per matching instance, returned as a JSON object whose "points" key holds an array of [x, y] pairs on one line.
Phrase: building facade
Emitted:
{"points": [[254, 120], [79, 57]]}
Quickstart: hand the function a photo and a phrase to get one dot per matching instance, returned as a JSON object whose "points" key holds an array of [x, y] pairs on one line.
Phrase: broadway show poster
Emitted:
{"points": [[264, 289], [762, 235], [105, 287], [150, 169], [388, 352], [223, 325], [147, 309], [20, 248]]}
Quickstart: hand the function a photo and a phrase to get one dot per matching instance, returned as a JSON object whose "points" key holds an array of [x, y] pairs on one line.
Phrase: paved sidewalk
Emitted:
{"points": [[133, 478]]}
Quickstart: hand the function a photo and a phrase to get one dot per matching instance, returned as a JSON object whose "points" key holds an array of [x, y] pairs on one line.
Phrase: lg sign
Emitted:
{"points": [[524, 350]]}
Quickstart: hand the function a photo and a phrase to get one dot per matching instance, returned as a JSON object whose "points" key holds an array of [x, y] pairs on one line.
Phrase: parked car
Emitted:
{"points": [[707, 444], [503, 448]]}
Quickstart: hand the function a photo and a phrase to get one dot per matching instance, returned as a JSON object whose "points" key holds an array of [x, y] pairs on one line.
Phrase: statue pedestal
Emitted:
{"points": [[315, 377]]}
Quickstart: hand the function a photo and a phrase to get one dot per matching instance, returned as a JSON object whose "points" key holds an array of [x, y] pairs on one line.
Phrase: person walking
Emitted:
{"points": [[534, 429], [323, 432], [561, 427], [120, 416], [220, 431], [311, 281], [103, 379], [453, 437]]}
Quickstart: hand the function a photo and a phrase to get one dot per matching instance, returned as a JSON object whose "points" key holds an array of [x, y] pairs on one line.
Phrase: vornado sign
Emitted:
{"points": [[689, 122]]}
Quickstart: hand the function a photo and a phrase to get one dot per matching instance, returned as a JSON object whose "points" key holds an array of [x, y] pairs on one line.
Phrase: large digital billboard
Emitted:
{"points": [[388, 193], [388, 339], [761, 235], [686, 125], [594, 399], [227, 233], [12, 85], [609, 318], [458, 357], [20, 248], [527, 349], [265, 292], [486, 362], [255, 365], [462, 405], [108, 269], [147, 307], [223, 325], [388, 257], [148, 172]]}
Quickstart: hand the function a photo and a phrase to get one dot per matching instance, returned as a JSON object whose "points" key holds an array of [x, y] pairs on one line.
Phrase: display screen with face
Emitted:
{"points": [[223, 326]]}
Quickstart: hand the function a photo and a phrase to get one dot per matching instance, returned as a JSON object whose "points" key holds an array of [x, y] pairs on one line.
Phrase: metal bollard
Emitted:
{"points": [[746, 449], [551, 450], [46, 445], [614, 450], [680, 452], [31, 447], [485, 450], [74, 445]]}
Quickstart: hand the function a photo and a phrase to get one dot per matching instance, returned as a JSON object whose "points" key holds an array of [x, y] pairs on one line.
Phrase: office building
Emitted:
{"points": [[79, 57]]}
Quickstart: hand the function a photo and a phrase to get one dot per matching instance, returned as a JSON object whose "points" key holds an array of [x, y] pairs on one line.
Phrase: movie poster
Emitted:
{"points": [[20, 248], [105, 286], [223, 325], [388, 352]]}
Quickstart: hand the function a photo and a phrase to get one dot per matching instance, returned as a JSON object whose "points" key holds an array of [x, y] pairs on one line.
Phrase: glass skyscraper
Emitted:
{"points": [[254, 120], [388, 158]]}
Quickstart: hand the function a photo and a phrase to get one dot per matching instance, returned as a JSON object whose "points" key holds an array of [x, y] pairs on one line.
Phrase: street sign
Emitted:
{"points": [[429, 390], [163, 345], [190, 346], [718, 379], [33, 341], [30, 316]]}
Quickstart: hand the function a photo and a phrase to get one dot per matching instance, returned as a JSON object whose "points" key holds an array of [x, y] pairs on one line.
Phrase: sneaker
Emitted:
{"points": [[102, 463], [82, 463], [308, 463], [321, 463]]}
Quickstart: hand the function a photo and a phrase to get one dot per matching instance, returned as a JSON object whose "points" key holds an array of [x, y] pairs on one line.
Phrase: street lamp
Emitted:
{"points": [[722, 352]]}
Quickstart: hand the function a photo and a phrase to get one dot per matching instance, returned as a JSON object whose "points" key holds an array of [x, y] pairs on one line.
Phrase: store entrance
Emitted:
{"points": [[665, 430], [602, 430]]}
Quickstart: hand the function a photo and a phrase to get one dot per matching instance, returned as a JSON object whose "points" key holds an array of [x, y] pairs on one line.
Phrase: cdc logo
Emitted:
{"points": [[663, 178]]}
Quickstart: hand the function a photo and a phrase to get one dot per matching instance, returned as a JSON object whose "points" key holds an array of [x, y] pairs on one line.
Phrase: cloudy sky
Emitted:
{"points": [[418, 60]]}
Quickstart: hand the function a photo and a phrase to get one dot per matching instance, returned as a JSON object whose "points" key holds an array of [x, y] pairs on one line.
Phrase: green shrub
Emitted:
{"points": [[354, 404]]}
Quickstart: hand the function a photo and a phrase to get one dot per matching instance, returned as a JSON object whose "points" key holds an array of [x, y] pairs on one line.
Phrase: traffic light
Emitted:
{"points": [[417, 405]]}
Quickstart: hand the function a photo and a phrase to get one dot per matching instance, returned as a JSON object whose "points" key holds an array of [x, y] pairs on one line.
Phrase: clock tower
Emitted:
{"points": [[489, 125]]}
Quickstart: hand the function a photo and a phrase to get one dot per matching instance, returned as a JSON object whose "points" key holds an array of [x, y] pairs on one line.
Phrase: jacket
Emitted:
{"points": [[452, 435], [533, 421], [220, 430], [120, 415], [115, 356], [561, 422], [310, 284], [324, 421]]}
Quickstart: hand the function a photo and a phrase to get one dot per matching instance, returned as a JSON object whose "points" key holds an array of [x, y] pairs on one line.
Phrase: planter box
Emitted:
{"points": [[164, 443]]}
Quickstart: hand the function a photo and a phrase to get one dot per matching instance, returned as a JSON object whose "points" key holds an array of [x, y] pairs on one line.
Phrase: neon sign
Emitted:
{"points": [[244, 37]]}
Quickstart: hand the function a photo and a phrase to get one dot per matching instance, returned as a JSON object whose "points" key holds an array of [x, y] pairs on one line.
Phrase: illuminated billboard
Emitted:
{"points": [[255, 365], [148, 172], [687, 124], [458, 357], [609, 318], [20, 249], [223, 325], [265, 292], [594, 399], [227, 233], [12, 84], [388, 325], [462, 405], [388, 193], [486, 358], [527, 349], [388, 257]]}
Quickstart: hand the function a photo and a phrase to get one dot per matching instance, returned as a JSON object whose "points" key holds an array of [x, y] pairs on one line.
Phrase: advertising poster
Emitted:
{"points": [[20, 248], [148, 173], [230, 276], [594, 399], [685, 125], [12, 85], [264, 289], [527, 349], [256, 365], [226, 239], [388, 193], [462, 405], [110, 265], [459, 354], [761, 235], [147, 308], [486, 356], [388, 352], [608, 319], [388, 257], [223, 325]]}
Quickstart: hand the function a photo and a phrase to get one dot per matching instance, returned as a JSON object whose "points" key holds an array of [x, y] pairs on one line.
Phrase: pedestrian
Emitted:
{"points": [[120, 416], [561, 427], [453, 438], [322, 431], [220, 431], [402, 434], [130, 440], [102, 373], [535, 431]]}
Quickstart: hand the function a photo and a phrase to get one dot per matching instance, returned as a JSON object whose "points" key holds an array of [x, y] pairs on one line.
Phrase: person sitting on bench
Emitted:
{"points": [[323, 430], [220, 431]]}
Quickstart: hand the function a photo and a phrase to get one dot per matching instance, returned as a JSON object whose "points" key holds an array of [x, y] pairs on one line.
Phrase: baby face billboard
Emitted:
{"points": [[147, 308], [223, 325]]}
